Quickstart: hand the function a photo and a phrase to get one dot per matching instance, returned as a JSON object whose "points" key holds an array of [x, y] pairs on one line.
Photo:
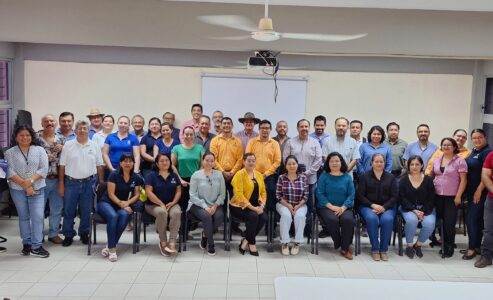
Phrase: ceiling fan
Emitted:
{"points": [[265, 31]]}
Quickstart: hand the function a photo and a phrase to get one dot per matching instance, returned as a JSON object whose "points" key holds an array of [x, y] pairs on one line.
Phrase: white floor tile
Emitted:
{"points": [[14, 289], [178, 290], [213, 278], [242, 290], [79, 289], [90, 277], [121, 277], [26, 276], [146, 290], [210, 291], [112, 290], [242, 278], [151, 277]]}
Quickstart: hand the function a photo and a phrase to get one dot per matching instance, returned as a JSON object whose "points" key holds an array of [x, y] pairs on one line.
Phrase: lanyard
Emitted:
{"points": [[25, 156]]}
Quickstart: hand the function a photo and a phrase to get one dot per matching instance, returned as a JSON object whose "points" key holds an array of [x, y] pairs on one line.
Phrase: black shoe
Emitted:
{"points": [[211, 251], [449, 251], [323, 234], [434, 242], [3, 249], [40, 252], [417, 250], [410, 252], [482, 262], [468, 257], [26, 250], [84, 238], [253, 253], [242, 251], [203, 242], [67, 241]]}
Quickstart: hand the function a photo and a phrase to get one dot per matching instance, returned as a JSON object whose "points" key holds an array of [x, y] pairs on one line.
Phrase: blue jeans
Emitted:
{"points": [[428, 225], [80, 193], [31, 216], [385, 221], [116, 221], [475, 221], [56, 206]]}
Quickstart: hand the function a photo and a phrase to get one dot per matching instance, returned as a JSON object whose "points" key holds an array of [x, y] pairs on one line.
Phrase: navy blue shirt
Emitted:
{"points": [[164, 189], [165, 149], [474, 166], [148, 140], [123, 190], [118, 147], [176, 134]]}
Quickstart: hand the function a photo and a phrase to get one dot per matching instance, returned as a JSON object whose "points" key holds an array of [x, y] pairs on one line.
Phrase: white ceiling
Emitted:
{"points": [[460, 5], [170, 24]]}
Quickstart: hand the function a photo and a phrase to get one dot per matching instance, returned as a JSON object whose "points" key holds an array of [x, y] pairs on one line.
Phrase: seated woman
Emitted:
{"points": [[163, 191], [115, 207], [417, 196], [377, 197], [248, 202], [207, 193], [335, 194], [292, 195]]}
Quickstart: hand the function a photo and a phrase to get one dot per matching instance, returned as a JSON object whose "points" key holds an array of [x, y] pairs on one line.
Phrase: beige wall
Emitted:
{"points": [[443, 101]]}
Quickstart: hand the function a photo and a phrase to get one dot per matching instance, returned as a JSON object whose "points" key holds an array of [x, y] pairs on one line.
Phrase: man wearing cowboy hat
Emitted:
{"points": [[249, 121], [96, 119]]}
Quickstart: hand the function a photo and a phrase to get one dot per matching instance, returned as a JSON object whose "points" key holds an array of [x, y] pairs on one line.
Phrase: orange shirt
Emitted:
{"points": [[267, 154], [228, 152]]}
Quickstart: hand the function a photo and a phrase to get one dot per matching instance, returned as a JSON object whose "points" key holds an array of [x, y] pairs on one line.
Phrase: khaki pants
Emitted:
{"points": [[161, 215]]}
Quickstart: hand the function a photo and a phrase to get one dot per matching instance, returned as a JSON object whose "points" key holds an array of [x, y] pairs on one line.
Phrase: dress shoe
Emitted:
{"points": [[56, 240], [84, 238], [347, 254], [384, 256], [466, 256], [375, 256], [255, 253], [482, 262], [67, 241], [323, 234], [418, 251], [410, 252], [242, 251]]}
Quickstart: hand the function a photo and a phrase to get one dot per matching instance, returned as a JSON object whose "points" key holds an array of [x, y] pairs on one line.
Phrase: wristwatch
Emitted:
{"points": [[31, 180]]}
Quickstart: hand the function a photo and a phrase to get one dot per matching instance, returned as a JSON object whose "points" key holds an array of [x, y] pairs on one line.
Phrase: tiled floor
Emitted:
{"points": [[70, 274]]}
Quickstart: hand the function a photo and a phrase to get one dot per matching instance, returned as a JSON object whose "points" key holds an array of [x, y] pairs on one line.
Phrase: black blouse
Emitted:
{"points": [[372, 190], [411, 198]]}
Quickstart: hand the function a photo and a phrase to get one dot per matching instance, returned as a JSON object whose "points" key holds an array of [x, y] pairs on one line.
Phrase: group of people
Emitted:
{"points": [[195, 168]]}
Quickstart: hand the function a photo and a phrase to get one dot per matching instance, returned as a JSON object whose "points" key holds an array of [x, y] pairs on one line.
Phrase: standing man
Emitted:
{"points": [[217, 116], [194, 122], [487, 245], [203, 136], [96, 119], [138, 126], [52, 144], [343, 144], [281, 137], [249, 121], [398, 147], [423, 147], [169, 118], [320, 122], [356, 126], [81, 166], [65, 131], [309, 155]]}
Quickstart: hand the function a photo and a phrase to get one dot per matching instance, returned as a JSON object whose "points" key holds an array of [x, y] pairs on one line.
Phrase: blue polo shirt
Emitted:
{"points": [[165, 149], [64, 139], [415, 149], [367, 150], [118, 147], [164, 189], [148, 140], [475, 163], [123, 190], [176, 134]]}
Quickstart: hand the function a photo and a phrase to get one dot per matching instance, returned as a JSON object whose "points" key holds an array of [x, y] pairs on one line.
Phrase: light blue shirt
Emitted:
{"points": [[416, 149], [367, 150]]}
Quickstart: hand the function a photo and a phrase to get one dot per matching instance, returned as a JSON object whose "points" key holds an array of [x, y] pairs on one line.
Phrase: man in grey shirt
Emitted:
{"points": [[203, 136], [398, 147], [343, 144]]}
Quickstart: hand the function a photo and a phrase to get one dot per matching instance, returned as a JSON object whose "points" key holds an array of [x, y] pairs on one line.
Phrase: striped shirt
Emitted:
{"points": [[292, 191]]}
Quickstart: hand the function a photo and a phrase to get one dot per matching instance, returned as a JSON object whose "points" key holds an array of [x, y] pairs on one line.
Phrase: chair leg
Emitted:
{"points": [[399, 234], [134, 233], [184, 233], [89, 244], [145, 234], [270, 247], [316, 221], [139, 228]]}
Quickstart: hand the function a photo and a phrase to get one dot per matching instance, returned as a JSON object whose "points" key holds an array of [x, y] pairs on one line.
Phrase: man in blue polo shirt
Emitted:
{"points": [[65, 132], [423, 147]]}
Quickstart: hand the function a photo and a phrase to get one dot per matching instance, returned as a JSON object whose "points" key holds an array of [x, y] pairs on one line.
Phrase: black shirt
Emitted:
{"points": [[148, 140], [123, 190], [421, 198], [372, 190], [254, 196]]}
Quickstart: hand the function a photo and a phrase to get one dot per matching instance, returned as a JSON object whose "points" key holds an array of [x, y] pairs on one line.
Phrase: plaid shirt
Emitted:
{"points": [[292, 191]]}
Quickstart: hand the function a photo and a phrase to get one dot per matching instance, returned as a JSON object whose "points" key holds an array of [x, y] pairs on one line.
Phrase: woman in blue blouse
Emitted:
{"points": [[115, 207], [165, 144], [376, 136], [335, 194]]}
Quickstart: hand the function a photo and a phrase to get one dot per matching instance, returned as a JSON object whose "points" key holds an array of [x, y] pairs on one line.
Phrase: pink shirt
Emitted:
{"points": [[190, 123], [447, 182]]}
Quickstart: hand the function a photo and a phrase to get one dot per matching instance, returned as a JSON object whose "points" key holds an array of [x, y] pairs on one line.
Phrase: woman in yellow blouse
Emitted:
{"points": [[248, 202]]}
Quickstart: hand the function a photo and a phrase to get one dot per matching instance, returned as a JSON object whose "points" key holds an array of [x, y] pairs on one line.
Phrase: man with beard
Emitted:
{"points": [[203, 136], [398, 147], [281, 137], [217, 116], [422, 147], [319, 134], [66, 132]]}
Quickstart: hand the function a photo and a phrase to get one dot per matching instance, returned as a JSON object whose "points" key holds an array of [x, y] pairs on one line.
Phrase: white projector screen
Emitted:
{"points": [[236, 95]]}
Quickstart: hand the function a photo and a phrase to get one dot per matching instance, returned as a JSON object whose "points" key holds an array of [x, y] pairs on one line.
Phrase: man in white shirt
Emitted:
{"points": [[81, 166]]}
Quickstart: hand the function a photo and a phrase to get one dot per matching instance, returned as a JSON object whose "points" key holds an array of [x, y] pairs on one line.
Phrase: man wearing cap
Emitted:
{"points": [[96, 119], [249, 121]]}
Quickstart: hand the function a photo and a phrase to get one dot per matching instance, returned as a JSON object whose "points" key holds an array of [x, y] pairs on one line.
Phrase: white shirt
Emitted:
{"points": [[81, 160]]}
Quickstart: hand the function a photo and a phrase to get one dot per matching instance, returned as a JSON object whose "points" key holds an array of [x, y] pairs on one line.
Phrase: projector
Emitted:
{"points": [[262, 60]]}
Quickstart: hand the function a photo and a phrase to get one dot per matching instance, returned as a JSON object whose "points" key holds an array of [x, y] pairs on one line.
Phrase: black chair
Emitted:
{"points": [[144, 219], [96, 219]]}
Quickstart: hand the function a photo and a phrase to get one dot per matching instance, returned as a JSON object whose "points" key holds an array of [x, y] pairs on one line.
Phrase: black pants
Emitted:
{"points": [[210, 222], [447, 211], [185, 195], [253, 222], [475, 221], [340, 228]]}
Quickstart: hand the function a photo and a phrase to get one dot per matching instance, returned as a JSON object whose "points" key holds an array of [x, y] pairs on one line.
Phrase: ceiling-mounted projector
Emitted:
{"points": [[262, 60]]}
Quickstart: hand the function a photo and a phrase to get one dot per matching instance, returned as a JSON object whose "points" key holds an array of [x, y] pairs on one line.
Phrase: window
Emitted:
{"points": [[5, 103]]}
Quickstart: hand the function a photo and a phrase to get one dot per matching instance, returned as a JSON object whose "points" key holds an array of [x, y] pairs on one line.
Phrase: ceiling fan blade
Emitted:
{"points": [[231, 21], [323, 37], [232, 38]]}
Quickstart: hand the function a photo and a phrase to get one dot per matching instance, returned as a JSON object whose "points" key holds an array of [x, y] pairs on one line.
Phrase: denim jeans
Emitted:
{"points": [[373, 221], [31, 216], [428, 225], [80, 193], [475, 221], [56, 206], [116, 221]]}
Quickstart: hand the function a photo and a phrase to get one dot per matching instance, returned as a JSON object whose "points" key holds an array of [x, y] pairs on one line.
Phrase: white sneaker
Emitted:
{"points": [[113, 257], [285, 249], [295, 249], [105, 252]]}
